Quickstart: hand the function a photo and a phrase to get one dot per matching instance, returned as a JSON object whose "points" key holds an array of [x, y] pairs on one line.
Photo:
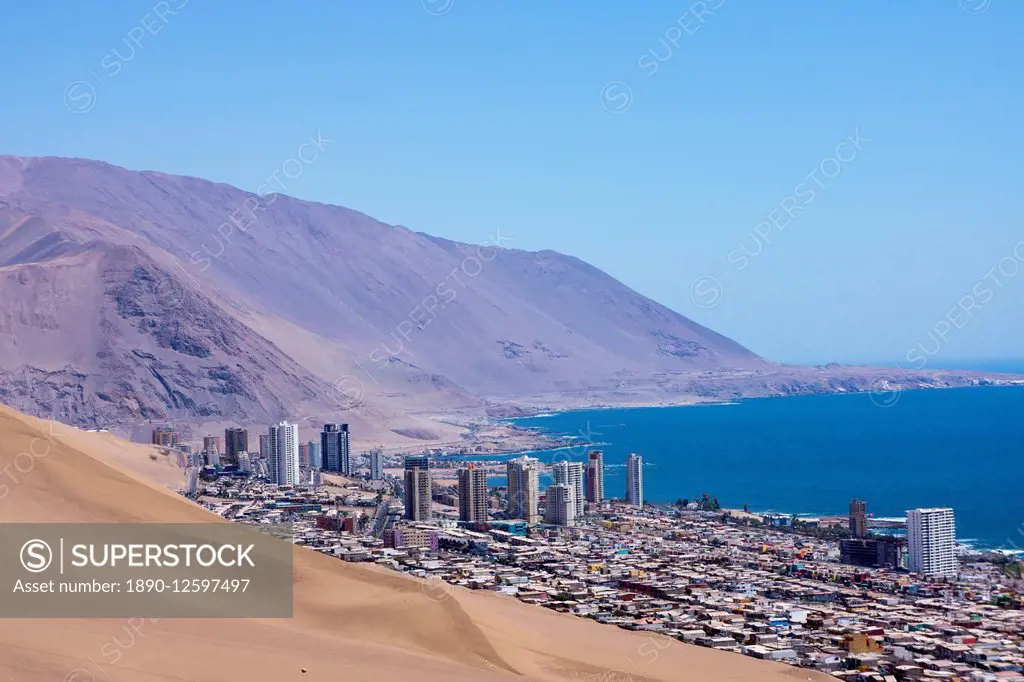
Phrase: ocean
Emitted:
{"points": [[960, 448]]}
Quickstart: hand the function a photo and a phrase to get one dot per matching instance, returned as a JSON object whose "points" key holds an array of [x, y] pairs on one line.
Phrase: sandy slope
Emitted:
{"points": [[351, 622]]}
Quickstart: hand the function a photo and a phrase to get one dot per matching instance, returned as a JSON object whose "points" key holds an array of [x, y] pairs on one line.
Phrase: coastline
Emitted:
{"points": [[698, 401], [968, 540], [967, 545]]}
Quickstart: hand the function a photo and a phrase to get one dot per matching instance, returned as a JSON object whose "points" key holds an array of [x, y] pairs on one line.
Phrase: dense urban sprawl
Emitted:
{"points": [[764, 586]]}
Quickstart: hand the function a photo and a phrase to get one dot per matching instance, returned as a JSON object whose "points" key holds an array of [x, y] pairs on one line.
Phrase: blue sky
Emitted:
{"points": [[665, 142]]}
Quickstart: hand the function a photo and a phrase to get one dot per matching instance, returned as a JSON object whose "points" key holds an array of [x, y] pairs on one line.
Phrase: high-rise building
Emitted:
{"points": [[334, 445], [595, 476], [283, 461], [931, 542], [212, 444], [330, 448], [635, 480], [346, 456], [523, 476], [473, 494], [165, 436], [560, 505], [571, 474], [417, 488], [884, 551], [264, 445], [417, 461], [376, 464], [859, 519], [235, 441], [304, 455], [315, 458]]}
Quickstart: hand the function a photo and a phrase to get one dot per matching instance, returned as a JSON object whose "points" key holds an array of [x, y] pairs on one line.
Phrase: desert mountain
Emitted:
{"points": [[133, 296], [351, 621]]}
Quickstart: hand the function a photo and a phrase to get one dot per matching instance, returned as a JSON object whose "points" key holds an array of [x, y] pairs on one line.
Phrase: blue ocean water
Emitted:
{"points": [[960, 448]]}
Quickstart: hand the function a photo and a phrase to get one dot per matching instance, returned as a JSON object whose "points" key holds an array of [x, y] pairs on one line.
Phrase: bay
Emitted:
{"points": [[959, 448]]}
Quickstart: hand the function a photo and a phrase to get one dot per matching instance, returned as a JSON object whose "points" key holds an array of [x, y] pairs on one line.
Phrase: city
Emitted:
{"points": [[860, 598]]}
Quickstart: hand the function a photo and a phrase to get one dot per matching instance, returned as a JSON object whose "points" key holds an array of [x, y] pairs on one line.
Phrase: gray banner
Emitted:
{"points": [[195, 570]]}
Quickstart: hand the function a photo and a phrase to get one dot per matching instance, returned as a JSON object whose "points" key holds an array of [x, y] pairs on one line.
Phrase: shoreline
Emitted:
{"points": [[551, 411], [967, 544]]}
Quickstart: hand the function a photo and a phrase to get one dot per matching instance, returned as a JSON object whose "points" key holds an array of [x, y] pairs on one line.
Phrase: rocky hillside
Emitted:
{"points": [[135, 296]]}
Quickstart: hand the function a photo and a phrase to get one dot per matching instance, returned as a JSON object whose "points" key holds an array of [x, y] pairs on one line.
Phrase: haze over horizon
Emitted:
{"points": [[475, 116]]}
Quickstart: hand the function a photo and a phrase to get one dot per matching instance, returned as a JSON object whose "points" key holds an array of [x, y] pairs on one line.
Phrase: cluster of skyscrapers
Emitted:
{"points": [[283, 455], [929, 548], [574, 485], [215, 451], [286, 457]]}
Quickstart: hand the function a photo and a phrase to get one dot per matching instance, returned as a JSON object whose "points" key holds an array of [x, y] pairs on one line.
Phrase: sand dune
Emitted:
{"points": [[351, 622]]}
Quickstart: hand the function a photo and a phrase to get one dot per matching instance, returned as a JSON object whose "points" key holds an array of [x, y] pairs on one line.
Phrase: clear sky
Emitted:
{"points": [[668, 143]]}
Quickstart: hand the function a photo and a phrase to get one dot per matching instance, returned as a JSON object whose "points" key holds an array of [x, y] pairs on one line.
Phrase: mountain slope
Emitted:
{"points": [[178, 297], [351, 621], [99, 318]]}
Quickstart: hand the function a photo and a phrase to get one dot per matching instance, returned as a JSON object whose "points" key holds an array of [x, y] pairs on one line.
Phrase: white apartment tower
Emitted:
{"points": [[931, 542], [376, 464], [571, 474], [283, 459], [523, 475], [635, 480], [560, 505]]}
